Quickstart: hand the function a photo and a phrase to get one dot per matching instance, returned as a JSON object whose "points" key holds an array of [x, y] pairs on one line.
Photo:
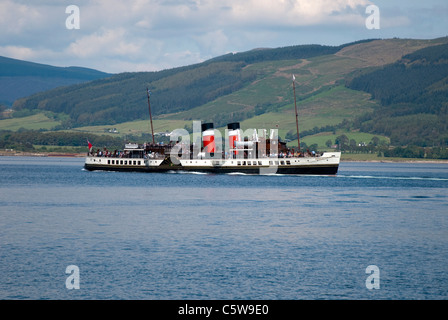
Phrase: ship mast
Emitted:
{"points": [[295, 105], [150, 116]]}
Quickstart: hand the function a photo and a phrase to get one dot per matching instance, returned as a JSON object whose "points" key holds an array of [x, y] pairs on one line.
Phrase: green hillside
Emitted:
{"points": [[120, 98], [269, 99], [369, 92], [413, 96]]}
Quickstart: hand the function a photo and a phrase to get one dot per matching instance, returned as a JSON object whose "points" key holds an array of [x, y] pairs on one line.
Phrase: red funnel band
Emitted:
{"points": [[209, 143]]}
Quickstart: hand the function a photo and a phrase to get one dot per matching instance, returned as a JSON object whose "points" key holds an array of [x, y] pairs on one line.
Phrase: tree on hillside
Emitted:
{"points": [[342, 141], [2, 109]]}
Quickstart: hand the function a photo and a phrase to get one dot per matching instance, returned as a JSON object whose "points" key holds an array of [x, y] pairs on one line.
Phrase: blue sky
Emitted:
{"points": [[149, 35]]}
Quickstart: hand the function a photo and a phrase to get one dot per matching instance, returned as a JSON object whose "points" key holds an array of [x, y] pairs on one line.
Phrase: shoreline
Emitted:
{"points": [[403, 160], [81, 155], [41, 154]]}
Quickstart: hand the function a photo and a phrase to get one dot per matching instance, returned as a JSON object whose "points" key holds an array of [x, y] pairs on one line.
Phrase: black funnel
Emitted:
{"points": [[206, 126], [233, 126]]}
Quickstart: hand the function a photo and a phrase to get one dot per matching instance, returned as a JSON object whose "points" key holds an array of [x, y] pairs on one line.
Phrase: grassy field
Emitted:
{"points": [[381, 52], [33, 122], [321, 138], [327, 108], [135, 127]]}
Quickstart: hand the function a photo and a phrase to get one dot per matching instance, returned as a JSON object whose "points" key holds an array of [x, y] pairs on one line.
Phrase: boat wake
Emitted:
{"points": [[238, 174], [392, 178], [187, 172]]}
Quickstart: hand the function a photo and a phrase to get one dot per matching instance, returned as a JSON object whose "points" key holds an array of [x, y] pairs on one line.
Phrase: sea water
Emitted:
{"points": [[207, 236]]}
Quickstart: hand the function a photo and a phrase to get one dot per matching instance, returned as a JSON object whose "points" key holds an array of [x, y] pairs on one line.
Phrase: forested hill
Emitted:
{"points": [[395, 88], [20, 78], [122, 97], [413, 96], [284, 53]]}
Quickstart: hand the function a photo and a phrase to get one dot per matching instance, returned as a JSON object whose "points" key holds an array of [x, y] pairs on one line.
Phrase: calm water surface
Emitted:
{"points": [[199, 236]]}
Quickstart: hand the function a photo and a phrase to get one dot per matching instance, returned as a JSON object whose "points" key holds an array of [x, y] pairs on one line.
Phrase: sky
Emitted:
{"points": [[151, 35]]}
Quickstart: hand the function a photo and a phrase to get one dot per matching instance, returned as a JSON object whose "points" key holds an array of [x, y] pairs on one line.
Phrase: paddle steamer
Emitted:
{"points": [[259, 155], [243, 153]]}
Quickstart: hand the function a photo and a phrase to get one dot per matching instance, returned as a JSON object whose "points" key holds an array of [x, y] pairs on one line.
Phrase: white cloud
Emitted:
{"points": [[15, 18], [215, 42], [38, 54], [106, 42], [21, 53], [286, 12], [160, 34]]}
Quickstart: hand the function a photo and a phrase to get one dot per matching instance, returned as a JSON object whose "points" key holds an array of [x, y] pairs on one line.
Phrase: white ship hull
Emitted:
{"points": [[325, 164]]}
